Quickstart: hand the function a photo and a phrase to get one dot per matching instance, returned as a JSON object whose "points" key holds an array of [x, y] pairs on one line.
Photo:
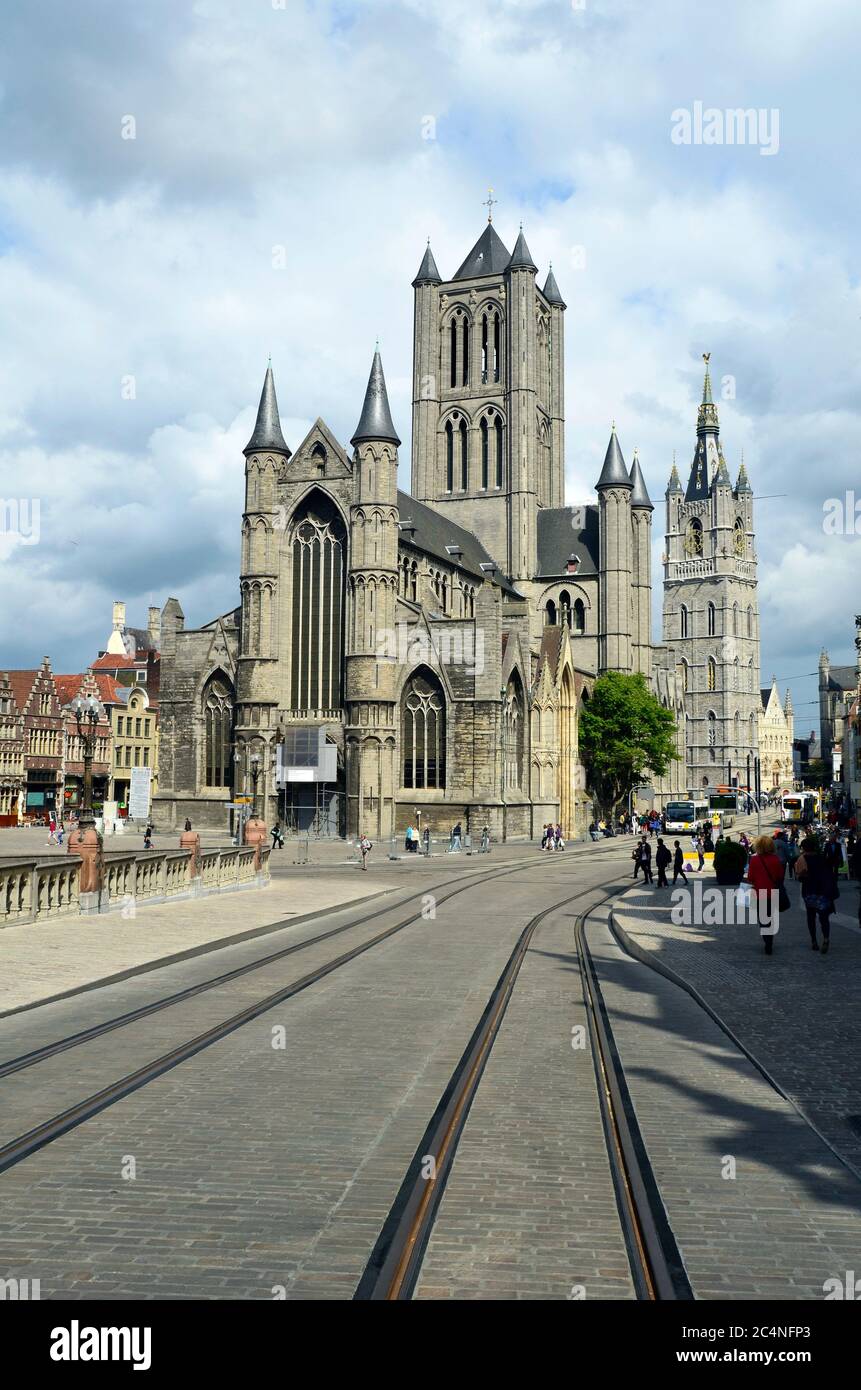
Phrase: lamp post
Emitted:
{"points": [[87, 719], [255, 773]]}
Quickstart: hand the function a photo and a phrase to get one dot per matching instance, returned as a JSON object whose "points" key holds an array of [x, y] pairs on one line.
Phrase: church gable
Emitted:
{"points": [[319, 456]]}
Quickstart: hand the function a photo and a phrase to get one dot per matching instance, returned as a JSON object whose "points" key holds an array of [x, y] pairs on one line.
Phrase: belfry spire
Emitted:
{"points": [[376, 418]]}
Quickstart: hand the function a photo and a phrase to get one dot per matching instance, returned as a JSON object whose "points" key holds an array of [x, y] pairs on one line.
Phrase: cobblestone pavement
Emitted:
{"points": [[795, 1011], [259, 1168], [760, 1204], [39, 961], [529, 1210]]}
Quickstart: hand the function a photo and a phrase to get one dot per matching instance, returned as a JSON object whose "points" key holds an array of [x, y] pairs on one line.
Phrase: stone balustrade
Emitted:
{"points": [[39, 890]]}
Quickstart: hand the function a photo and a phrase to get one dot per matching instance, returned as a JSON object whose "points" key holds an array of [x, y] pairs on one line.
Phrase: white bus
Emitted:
{"points": [[687, 815], [799, 808]]}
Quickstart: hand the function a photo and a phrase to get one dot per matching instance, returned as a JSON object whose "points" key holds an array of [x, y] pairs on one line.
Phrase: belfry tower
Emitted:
{"points": [[711, 615]]}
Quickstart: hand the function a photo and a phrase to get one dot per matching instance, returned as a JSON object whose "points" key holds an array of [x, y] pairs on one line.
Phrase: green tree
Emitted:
{"points": [[625, 734]]}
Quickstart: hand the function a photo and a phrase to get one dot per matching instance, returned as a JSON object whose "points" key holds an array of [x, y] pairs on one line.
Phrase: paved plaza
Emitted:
{"points": [[265, 1165]]}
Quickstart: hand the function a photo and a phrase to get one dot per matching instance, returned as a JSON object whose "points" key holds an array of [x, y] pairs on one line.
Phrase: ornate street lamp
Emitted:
{"points": [[87, 719], [255, 773]]}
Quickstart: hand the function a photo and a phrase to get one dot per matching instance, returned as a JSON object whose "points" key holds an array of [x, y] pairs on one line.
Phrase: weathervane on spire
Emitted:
{"points": [[706, 356], [488, 203]]}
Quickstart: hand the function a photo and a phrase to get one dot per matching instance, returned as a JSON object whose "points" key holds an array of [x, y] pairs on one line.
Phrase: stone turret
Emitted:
{"points": [[641, 569], [373, 586], [614, 488], [522, 358]]}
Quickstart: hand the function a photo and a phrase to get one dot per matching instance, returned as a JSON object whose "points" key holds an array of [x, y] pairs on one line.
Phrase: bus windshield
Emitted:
{"points": [[680, 810]]}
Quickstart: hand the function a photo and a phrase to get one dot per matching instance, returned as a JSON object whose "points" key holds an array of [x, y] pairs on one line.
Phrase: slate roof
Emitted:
{"points": [[559, 537], [434, 531], [144, 641], [267, 429], [640, 496], [428, 273], [551, 291], [489, 256], [521, 256], [614, 473], [376, 419], [841, 678]]}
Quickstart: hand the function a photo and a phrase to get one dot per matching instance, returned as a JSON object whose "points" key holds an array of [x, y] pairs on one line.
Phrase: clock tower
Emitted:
{"points": [[711, 614]]}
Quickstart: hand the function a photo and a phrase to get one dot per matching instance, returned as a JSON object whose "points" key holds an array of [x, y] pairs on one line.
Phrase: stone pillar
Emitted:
{"points": [[189, 840], [255, 834]]}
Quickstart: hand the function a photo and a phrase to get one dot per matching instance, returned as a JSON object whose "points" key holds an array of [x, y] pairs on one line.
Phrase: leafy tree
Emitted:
{"points": [[817, 773], [625, 734]]}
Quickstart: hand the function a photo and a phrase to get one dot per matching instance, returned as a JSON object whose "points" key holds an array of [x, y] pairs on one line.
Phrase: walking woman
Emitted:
{"points": [[765, 875], [819, 890]]}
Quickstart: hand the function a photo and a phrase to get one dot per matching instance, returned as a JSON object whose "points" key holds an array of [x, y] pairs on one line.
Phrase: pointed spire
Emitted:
{"points": [[267, 431], [707, 417], [376, 418], [614, 473], [722, 478], [521, 256], [428, 273], [675, 483], [551, 291], [743, 484], [640, 495], [787, 704]]}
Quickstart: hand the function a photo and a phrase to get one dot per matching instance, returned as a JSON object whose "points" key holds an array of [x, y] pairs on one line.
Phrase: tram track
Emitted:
{"points": [[70, 1117], [393, 1268], [98, 1030]]}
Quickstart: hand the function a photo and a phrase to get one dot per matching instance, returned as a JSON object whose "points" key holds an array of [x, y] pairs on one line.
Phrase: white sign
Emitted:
{"points": [[139, 793]]}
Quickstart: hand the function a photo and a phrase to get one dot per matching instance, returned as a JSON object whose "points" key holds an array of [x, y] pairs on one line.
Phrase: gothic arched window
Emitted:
{"points": [[711, 721], [550, 613], [711, 674], [565, 608], [578, 614], [712, 620], [218, 726], [685, 675], [453, 353], [423, 732], [465, 353], [750, 676], [497, 429], [683, 621], [512, 735], [464, 456], [485, 454], [749, 621], [317, 644], [449, 457]]}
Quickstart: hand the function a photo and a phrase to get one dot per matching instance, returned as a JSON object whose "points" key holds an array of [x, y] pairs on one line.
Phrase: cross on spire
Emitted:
{"points": [[489, 203]]}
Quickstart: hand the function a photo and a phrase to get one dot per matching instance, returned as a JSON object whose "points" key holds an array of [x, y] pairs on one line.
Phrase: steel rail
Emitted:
{"points": [[45, 1133]]}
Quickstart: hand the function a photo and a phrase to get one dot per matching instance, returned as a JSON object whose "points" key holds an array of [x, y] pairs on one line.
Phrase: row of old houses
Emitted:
{"points": [[42, 748]]}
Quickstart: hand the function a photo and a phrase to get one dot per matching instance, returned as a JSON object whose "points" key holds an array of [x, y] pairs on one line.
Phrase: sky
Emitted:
{"points": [[186, 189]]}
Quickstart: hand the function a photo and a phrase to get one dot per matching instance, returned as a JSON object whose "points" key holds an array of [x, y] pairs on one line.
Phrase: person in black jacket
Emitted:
{"points": [[646, 861], [662, 859], [678, 864], [819, 890]]}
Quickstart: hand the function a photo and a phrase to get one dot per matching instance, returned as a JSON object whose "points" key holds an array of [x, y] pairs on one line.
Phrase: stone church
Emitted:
{"points": [[421, 658]]}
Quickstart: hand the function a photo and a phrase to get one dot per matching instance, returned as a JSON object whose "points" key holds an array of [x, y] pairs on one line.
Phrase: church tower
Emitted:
{"points": [[488, 397], [616, 541], [370, 704], [711, 616]]}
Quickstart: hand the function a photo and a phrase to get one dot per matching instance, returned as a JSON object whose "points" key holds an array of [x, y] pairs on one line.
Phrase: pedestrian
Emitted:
{"points": [[708, 840], [426, 838], [60, 833], [594, 831], [365, 848], [700, 847], [678, 863], [148, 837], [277, 837], [765, 874], [635, 855], [558, 837], [662, 859], [408, 839], [646, 861], [817, 874], [832, 852], [455, 845], [485, 840], [187, 823]]}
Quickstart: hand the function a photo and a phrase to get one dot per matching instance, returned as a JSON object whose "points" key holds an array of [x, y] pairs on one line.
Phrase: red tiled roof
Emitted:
{"points": [[109, 662], [67, 687], [22, 684]]}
